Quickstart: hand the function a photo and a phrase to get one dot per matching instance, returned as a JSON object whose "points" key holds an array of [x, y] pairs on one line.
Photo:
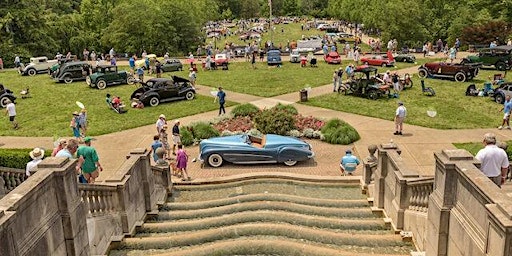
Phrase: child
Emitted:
{"points": [[181, 162], [165, 142], [140, 74], [174, 170]]}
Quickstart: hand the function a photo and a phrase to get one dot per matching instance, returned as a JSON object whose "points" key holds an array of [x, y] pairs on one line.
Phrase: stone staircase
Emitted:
{"points": [[266, 216]]}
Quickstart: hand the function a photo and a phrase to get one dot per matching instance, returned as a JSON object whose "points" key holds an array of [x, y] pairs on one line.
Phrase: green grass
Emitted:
{"points": [[48, 111], [454, 109], [472, 147], [267, 81]]}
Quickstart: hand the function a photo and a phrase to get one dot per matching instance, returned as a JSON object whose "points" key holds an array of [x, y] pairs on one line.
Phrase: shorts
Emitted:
{"points": [[506, 116], [93, 174], [176, 140], [11, 118], [399, 120]]}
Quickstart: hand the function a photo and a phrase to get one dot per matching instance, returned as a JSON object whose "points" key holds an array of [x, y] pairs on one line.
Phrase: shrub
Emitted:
{"points": [[294, 133], [17, 158], [308, 133], [274, 121], [187, 138], [202, 130], [287, 108], [308, 122], [336, 131], [247, 109]]}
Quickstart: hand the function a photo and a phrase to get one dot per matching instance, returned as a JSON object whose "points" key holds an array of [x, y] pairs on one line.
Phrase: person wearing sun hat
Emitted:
{"points": [[75, 125], [37, 155], [60, 146], [88, 161], [160, 123]]}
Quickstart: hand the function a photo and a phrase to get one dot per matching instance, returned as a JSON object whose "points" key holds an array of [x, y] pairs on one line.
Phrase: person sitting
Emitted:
{"points": [[116, 102], [108, 99], [136, 103]]}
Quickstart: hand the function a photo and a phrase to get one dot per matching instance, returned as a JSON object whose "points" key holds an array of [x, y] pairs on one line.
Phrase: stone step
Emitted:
{"points": [[363, 212], [265, 197], [283, 231], [269, 246], [266, 216]]}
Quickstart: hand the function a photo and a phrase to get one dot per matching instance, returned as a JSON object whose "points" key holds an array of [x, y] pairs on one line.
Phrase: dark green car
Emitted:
{"points": [[499, 57], [108, 75]]}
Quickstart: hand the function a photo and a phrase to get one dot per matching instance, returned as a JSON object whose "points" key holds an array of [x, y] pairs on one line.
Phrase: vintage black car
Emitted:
{"points": [[171, 65], [405, 58], [108, 75], [6, 94], [158, 90], [72, 71]]}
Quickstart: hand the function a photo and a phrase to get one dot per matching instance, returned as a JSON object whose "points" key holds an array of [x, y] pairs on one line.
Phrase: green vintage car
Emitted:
{"points": [[108, 75], [500, 57]]}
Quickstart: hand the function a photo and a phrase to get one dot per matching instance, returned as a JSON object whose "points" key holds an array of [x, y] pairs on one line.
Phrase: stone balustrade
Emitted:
{"points": [[99, 199], [10, 178], [420, 190]]}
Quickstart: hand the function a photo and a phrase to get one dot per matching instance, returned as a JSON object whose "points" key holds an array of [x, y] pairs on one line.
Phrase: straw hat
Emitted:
{"points": [[36, 153]]}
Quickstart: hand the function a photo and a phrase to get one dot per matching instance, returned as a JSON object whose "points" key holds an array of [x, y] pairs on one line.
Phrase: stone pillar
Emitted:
{"points": [[441, 200], [72, 211], [148, 181], [381, 173]]}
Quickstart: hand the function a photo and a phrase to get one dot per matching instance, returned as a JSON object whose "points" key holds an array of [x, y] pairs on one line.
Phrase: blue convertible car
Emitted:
{"points": [[247, 149]]}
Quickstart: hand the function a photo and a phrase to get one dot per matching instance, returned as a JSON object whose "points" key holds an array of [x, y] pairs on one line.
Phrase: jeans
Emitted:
{"points": [[221, 108]]}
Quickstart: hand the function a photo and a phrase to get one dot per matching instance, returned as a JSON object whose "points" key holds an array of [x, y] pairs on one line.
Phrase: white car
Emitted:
{"points": [[295, 56], [37, 65]]}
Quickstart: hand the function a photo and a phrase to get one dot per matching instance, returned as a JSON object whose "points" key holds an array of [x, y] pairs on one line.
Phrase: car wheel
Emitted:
{"points": [[460, 77], [154, 101], [3, 101], [365, 63], [101, 84], [68, 79], [31, 72], [215, 160], [499, 98], [190, 95], [383, 65], [180, 69], [422, 73], [290, 163], [130, 80], [373, 95], [501, 66]]}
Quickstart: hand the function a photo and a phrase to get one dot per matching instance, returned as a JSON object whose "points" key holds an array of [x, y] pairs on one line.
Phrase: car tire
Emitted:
{"points": [[190, 95], [373, 95], [501, 66], [383, 65], [130, 80], [422, 73], [460, 77], [31, 72], [3, 102], [290, 163], [365, 63], [101, 84], [68, 79], [154, 101], [215, 160], [180, 69], [499, 98]]}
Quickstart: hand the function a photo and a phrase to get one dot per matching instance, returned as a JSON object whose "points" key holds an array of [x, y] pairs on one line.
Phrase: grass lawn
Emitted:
{"points": [[48, 112], [454, 109], [472, 147], [267, 81]]}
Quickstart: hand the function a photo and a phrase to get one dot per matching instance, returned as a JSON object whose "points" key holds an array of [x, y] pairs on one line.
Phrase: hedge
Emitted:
{"points": [[18, 157]]}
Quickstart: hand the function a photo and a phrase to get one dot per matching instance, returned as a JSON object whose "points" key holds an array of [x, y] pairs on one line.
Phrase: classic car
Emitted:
{"points": [[221, 59], [274, 57], [171, 65], [499, 57], [142, 62], [365, 83], [159, 90], [501, 92], [405, 58], [72, 71], [295, 56], [248, 149], [379, 60], [5, 94], [108, 75], [54, 67], [461, 72], [37, 65], [332, 58]]}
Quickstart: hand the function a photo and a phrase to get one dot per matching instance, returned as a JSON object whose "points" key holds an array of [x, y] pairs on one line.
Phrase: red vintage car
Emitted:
{"points": [[378, 60], [332, 58]]}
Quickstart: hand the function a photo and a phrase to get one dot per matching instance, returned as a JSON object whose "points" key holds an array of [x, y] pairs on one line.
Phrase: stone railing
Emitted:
{"points": [[45, 215], [419, 191], [10, 178]]}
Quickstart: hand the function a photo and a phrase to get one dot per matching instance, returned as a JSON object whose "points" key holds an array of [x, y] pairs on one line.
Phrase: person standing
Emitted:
{"points": [[1, 64], [340, 75], [82, 121], [75, 125], [10, 110], [334, 80], [17, 61], [155, 145], [494, 160], [86, 54], [221, 96], [160, 123], [164, 139], [131, 63], [348, 163], [395, 79], [192, 76], [452, 54], [62, 145], [88, 161], [181, 162], [158, 67], [176, 136], [400, 114], [37, 155], [507, 107], [140, 73], [69, 150]]}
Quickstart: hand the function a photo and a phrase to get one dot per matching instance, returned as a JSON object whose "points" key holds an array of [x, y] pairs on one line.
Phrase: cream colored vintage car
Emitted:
{"points": [[37, 65]]}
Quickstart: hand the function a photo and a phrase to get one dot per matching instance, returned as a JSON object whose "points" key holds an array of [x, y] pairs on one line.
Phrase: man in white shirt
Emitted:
{"points": [[10, 109], [400, 114], [37, 155], [494, 160], [160, 123]]}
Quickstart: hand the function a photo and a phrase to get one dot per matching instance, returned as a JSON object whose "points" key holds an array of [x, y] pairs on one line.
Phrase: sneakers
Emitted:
{"points": [[507, 127], [500, 127], [397, 133]]}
